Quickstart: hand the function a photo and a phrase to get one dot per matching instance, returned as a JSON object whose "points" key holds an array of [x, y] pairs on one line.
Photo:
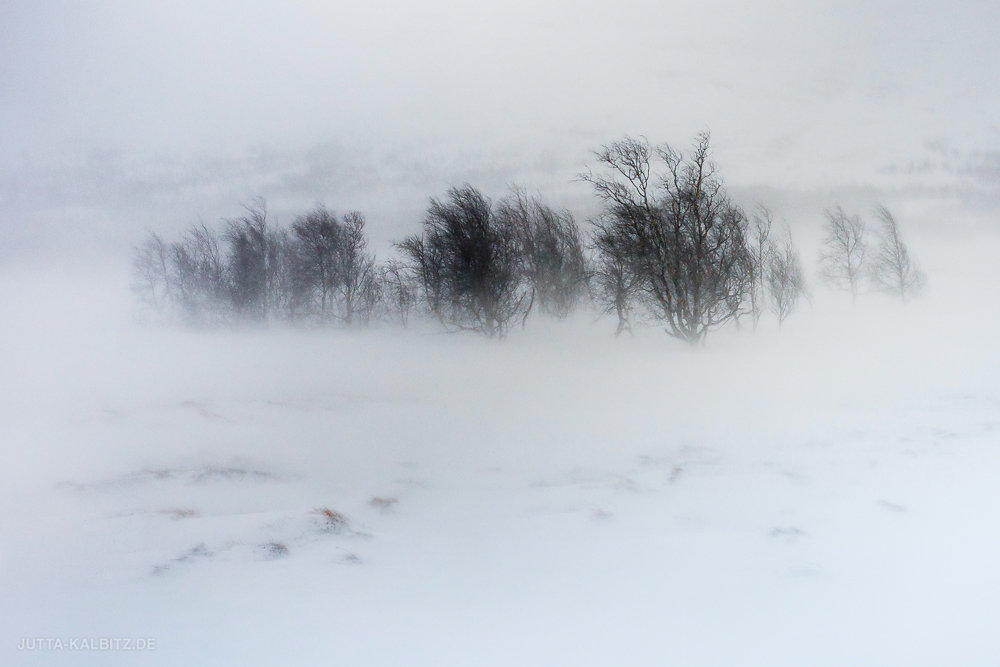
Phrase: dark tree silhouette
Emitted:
{"points": [[199, 276], [399, 291], [252, 262], [616, 281], [316, 236], [467, 264], [550, 251], [357, 284], [685, 240], [334, 270]]}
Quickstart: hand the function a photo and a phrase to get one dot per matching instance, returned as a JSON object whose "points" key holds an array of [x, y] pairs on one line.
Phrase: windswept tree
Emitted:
{"points": [[399, 291], [151, 273], [199, 276], [615, 280], [467, 264], [550, 251], [784, 277], [286, 298], [892, 268], [670, 214], [357, 286], [252, 262], [334, 269], [761, 249], [317, 235], [187, 278], [844, 253]]}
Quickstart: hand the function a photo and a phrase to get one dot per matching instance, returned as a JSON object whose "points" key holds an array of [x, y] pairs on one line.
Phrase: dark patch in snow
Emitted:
{"points": [[893, 507], [203, 410], [803, 572], [274, 550], [213, 473], [788, 535], [332, 521], [601, 516], [200, 475], [626, 484], [383, 504], [195, 553], [410, 481]]}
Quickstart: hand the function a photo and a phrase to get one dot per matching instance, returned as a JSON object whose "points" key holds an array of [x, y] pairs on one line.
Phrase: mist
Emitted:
{"points": [[302, 487]]}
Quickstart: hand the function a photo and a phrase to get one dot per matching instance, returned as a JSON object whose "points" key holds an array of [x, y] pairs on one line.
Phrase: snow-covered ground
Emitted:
{"points": [[824, 496]]}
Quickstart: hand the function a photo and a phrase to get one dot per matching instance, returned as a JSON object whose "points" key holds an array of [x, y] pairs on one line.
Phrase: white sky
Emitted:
{"points": [[119, 117]]}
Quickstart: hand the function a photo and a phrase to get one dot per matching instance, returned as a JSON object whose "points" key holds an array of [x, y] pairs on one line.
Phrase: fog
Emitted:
{"points": [[117, 120], [819, 493]]}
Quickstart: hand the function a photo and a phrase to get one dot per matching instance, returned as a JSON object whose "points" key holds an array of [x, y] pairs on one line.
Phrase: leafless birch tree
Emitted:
{"points": [[842, 259], [684, 238], [784, 277], [892, 268], [761, 249]]}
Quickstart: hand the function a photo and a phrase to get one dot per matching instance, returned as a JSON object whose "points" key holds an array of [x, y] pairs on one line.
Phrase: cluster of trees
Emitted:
{"points": [[251, 270], [477, 265], [483, 265], [850, 262], [669, 247], [672, 244]]}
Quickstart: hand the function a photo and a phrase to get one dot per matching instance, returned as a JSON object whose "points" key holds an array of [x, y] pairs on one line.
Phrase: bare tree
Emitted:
{"points": [[685, 240], [550, 251], [427, 270], [287, 296], [357, 281], [842, 259], [784, 277], [252, 262], [761, 249], [317, 235], [615, 281], [199, 276], [398, 290], [151, 274], [333, 266], [892, 268], [467, 264]]}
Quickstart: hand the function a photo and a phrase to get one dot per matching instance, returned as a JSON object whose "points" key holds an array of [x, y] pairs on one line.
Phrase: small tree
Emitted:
{"points": [[334, 267], [357, 282], [252, 262], [467, 264], [784, 278], [842, 259], [892, 268], [550, 252], [398, 290], [151, 274], [199, 276], [286, 297], [615, 281], [316, 235], [761, 250]]}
